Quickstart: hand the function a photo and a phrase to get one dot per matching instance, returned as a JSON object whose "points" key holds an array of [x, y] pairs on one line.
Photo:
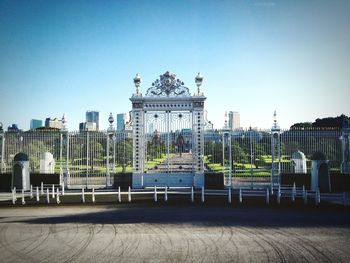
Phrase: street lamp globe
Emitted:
{"points": [[110, 120], [199, 80], [137, 82]]}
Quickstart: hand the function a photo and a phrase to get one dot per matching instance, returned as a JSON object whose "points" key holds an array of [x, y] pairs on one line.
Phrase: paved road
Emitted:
{"points": [[172, 233]]}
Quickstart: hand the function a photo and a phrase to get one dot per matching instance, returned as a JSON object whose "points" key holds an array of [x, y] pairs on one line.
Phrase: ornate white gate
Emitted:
{"points": [[168, 142]]}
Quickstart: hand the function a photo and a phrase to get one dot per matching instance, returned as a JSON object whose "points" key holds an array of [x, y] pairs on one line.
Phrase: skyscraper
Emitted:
{"points": [[35, 124], [121, 121], [234, 121], [93, 117]]}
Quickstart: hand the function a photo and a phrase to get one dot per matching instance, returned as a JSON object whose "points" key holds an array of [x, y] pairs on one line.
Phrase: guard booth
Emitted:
{"points": [[20, 172], [320, 178]]}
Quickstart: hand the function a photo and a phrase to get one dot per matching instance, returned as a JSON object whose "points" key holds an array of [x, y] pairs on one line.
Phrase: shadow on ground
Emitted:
{"points": [[272, 216]]}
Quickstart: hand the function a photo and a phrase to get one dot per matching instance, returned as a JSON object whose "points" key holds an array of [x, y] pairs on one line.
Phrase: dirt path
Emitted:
{"points": [[173, 234]]}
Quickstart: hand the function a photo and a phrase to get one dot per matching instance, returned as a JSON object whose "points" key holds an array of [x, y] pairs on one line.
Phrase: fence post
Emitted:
{"points": [[129, 195], [23, 201], [240, 196], [42, 188], [305, 197], [192, 195], [279, 194], [166, 194], [47, 196], [229, 195], [119, 196], [82, 195], [58, 196], [155, 194], [15, 193], [202, 194], [93, 195], [13, 196], [267, 196], [37, 194], [31, 191], [53, 191], [293, 193]]}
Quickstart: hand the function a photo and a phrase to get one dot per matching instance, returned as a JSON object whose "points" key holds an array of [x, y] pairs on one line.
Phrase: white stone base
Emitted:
{"points": [[137, 181], [345, 168], [167, 179]]}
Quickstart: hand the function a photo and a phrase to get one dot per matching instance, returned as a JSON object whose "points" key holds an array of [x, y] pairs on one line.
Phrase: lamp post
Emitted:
{"points": [[275, 142], [124, 141], [66, 135], [251, 156], [2, 140], [199, 80], [110, 135], [226, 140], [137, 82]]}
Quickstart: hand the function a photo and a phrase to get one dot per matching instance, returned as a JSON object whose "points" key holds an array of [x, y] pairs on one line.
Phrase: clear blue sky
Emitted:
{"points": [[256, 57]]}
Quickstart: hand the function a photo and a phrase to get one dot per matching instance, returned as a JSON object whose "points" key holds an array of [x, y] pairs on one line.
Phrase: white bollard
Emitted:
{"points": [[240, 196], [42, 188], [93, 195], [192, 195], [47, 196], [294, 191], [23, 201], [267, 196], [279, 195], [82, 195], [13, 196], [202, 194], [271, 190], [155, 194], [229, 195], [62, 188], [31, 191], [53, 191], [166, 194], [119, 196], [129, 195], [15, 190], [37, 194], [318, 196], [58, 196]]}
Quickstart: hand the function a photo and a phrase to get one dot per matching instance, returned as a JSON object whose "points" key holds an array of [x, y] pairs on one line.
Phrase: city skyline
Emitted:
{"points": [[255, 56]]}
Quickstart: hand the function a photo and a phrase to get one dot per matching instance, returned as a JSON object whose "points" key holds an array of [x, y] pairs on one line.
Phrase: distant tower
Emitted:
{"points": [[233, 120], [93, 117], [121, 121], [34, 124]]}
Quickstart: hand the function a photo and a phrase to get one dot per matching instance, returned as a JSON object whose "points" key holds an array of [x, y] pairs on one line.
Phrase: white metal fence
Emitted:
{"points": [[90, 158]]}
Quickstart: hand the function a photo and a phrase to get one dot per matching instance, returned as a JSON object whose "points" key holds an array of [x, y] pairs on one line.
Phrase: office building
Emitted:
{"points": [[93, 117], [234, 120], [121, 121], [87, 126], [34, 124], [53, 123]]}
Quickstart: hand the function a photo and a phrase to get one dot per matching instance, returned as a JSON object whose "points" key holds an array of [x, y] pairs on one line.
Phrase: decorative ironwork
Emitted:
{"points": [[168, 85]]}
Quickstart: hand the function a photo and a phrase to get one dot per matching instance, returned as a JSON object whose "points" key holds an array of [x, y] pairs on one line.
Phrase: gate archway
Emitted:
{"points": [[168, 141]]}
